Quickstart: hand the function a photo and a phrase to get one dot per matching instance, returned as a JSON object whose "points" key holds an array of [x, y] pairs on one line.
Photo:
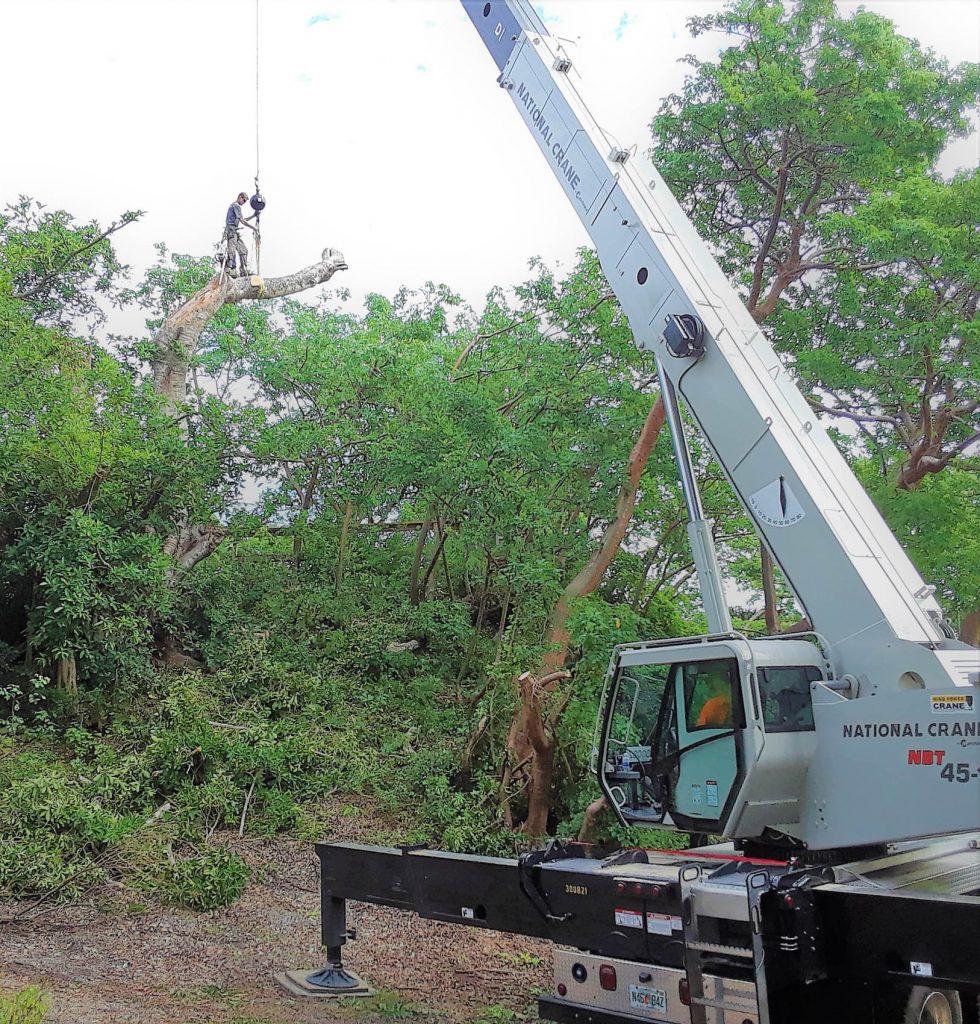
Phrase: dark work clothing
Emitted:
{"points": [[234, 216], [234, 246]]}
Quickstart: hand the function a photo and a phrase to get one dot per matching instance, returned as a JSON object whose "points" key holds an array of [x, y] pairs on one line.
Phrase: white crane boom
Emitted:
{"points": [[849, 573], [801, 743]]}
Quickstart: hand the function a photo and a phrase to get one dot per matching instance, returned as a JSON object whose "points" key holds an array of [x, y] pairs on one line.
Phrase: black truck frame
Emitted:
{"points": [[816, 948]]}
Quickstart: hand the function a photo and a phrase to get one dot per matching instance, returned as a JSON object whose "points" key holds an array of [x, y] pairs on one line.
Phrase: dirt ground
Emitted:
{"points": [[113, 958]]}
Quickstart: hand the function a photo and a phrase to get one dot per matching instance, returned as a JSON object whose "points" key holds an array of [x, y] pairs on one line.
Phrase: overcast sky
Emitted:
{"points": [[382, 131]]}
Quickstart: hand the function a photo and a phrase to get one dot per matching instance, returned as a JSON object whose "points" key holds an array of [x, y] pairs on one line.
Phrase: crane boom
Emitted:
{"points": [[858, 587]]}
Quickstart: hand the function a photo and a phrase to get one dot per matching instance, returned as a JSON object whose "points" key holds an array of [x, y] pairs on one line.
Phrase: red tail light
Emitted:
{"points": [[684, 992], [607, 978]]}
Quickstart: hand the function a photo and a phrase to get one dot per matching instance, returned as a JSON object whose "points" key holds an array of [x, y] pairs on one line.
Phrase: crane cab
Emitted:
{"points": [[715, 732]]}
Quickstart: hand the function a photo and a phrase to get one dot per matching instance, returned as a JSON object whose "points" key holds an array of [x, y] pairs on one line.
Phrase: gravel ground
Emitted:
{"points": [[113, 958]]}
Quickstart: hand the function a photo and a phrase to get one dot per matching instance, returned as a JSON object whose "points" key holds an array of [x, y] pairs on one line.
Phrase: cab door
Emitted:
{"points": [[706, 762]]}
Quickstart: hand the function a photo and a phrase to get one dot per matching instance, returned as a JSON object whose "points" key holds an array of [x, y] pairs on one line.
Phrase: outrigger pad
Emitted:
{"points": [[332, 983]]}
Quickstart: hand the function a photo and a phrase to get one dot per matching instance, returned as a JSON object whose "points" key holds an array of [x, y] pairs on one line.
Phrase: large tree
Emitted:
{"points": [[174, 345], [787, 151]]}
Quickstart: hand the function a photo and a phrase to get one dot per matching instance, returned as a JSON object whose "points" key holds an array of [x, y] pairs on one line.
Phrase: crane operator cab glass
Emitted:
{"points": [[710, 734]]}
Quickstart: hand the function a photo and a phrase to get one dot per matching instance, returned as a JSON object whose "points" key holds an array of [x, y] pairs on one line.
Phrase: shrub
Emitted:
{"points": [[204, 881], [25, 1007]]}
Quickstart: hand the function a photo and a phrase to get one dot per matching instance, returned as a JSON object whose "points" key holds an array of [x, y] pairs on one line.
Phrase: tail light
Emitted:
{"points": [[607, 978], [684, 992]]}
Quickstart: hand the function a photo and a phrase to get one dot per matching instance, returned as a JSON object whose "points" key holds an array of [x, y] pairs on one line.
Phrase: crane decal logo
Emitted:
{"points": [[535, 113], [952, 703], [776, 504]]}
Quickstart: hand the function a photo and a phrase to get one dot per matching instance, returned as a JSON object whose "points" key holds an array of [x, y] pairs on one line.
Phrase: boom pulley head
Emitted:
{"points": [[684, 335]]}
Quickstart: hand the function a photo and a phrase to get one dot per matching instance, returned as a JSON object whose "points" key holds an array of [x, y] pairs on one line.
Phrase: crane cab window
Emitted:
{"points": [[709, 687], [786, 701]]}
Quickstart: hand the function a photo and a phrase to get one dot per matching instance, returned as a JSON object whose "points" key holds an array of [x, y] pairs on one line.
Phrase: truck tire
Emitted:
{"points": [[932, 1006]]}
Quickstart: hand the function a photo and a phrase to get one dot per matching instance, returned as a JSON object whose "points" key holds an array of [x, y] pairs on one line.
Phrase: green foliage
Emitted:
{"points": [[806, 155], [28, 1006], [58, 268], [57, 823], [205, 881], [939, 525], [500, 1015], [399, 496]]}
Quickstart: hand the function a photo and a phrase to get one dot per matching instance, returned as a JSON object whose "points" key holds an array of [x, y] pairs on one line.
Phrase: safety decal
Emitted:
{"points": [[629, 918], [663, 924], [711, 792], [695, 794], [952, 703]]}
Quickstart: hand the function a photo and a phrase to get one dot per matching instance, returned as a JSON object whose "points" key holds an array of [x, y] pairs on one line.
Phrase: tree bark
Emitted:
{"points": [[342, 546], [189, 545], [414, 590], [175, 342], [590, 575], [66, 678], [586, 833], [540, 736], [970, 628], [424, 586], [769, 591], [174, 347], [537, 758]]}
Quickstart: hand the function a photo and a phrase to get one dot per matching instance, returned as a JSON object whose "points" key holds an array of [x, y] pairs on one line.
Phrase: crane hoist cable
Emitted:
{"points": [[257, 202]]}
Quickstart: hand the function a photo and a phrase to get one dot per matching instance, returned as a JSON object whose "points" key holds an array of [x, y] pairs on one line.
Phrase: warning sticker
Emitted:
{"points": [[711, 792], [696, 794], [663, 924], [629, 918], [952, 703]]}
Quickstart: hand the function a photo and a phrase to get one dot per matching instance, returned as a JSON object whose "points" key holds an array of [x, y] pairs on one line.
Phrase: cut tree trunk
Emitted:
{"points": [[175, 343], [66, 678], [590, 820], [174, 346], [525, 762], [540, 735]]}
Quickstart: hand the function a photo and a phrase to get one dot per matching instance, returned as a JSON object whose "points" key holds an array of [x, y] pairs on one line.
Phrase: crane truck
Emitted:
{"points": [[842, 765]]}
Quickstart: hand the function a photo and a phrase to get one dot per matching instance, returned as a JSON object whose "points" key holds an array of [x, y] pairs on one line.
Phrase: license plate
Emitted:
{"points": [[652, 999]]}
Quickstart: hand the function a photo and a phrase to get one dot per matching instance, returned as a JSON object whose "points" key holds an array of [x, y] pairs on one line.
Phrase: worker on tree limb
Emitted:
{"points": [[233, 240]]}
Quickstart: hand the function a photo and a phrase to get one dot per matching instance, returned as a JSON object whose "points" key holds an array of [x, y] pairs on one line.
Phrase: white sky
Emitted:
{"points": [[383, 133]]}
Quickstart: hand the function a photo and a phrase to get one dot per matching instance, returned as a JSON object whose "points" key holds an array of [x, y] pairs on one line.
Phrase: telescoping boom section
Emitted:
{"points": [[824, 738]]}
